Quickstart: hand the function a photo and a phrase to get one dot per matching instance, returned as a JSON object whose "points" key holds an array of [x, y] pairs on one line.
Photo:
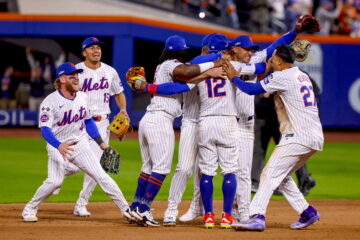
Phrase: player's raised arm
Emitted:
{"points": [[173, 87]]}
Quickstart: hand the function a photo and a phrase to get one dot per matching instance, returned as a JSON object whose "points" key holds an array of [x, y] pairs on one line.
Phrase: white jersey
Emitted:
{"points": [[99, 84], [217, 97], [245, 102], [296, 108], [191, 104], [169, 104], [259, 56], [65, 117]]}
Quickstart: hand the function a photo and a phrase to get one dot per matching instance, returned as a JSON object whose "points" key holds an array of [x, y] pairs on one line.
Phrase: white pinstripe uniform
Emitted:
{"points": [[65, 117], [156, 133], [301, 137], [98, 84], [188, 152], [246, 111], [218, 130]]}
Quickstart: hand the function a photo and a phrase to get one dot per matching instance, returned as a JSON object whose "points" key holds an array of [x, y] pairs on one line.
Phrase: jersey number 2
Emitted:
{"points": [[214, 87], [308, 97]]}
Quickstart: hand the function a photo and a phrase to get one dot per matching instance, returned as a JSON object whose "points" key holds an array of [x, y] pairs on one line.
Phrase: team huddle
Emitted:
{"points": [[214, 94]]}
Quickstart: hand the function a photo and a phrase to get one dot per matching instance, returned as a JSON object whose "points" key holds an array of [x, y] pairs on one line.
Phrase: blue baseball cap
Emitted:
{"points": [[66, 69], [218, 42], [175, 42], [91, 41], [326, 2], [244, 41], [207, 38]]}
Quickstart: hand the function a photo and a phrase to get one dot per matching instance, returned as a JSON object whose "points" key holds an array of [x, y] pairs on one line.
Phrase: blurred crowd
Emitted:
{"points": [[26, 90], [276, 16]]}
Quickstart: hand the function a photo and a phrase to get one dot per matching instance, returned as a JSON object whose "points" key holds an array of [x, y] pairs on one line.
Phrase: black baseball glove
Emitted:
{"points": [[110, 160], [307, 23]]}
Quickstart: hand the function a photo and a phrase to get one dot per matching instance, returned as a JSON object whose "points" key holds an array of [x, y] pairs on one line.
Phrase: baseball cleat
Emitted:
{"points": [[226, 221], [128, 216], [81, 211], [209, 220], [307, 217], [255, 223], [56, 191], [190, 215], [29, 214], [169, 222], [145, 218]]}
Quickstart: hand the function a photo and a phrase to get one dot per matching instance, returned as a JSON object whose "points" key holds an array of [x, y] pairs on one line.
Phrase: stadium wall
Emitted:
{"points": [[333, 61]]}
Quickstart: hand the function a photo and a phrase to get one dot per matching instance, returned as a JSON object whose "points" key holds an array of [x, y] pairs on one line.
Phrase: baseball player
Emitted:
{"points": [[243, 50], [156, 134], [302, 136], [98, 81], [64, 117], [188, 150]]}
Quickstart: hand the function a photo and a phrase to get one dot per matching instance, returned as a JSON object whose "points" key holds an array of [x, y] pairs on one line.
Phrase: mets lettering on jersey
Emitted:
{"points": [[89, 86], [68, 118]]}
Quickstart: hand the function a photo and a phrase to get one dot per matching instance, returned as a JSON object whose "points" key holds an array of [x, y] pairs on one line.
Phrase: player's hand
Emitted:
{"points": [[217, 72], [104, 145], [65, 150], [125, 113], [220, 62], [231, 71]]}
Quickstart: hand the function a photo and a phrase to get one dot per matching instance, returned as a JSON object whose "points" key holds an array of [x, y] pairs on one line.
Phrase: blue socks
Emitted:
{"points": [[207, 190], [229, 190], [142, 184], [154, 183]]}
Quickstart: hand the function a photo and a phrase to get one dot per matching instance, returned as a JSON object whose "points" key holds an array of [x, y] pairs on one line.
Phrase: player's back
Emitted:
{"points": [[300, 117], [169, 104], [217, 97]]}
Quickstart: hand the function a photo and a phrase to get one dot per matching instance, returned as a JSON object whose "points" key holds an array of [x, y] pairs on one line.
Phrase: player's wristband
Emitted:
{"points": [[206, 66], [98, 140], [151, 88]]}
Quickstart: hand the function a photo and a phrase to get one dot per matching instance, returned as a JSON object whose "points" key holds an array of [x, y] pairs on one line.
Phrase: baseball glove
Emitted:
{"points": [[307, 23], [120, 125], [135, 77], [301, 48], [110, 160]]}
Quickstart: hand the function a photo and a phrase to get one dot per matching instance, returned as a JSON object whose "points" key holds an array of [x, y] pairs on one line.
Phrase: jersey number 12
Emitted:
{"points": [[214, 87]]}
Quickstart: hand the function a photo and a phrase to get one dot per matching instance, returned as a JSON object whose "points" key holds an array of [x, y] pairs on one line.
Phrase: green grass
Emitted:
{"points": [[23, 168]]}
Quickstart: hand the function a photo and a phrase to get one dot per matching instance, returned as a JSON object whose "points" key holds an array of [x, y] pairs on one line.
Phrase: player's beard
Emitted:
{"points": [[72, 88]]}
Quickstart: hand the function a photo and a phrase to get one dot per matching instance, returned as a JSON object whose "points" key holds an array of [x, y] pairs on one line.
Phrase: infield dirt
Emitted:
{"points": [[340, 219]]}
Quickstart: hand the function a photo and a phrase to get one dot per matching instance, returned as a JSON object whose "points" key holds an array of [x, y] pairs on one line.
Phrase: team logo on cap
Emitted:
{"points": [[94, 39], [250, 39], [61, 72], [72, 65]]}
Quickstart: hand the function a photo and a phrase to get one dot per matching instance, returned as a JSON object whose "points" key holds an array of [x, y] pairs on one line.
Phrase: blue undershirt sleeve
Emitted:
{"points": [[91, 128], [260, 68], [247, 87], [49, 136], [205, 58], [284, 39]]}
